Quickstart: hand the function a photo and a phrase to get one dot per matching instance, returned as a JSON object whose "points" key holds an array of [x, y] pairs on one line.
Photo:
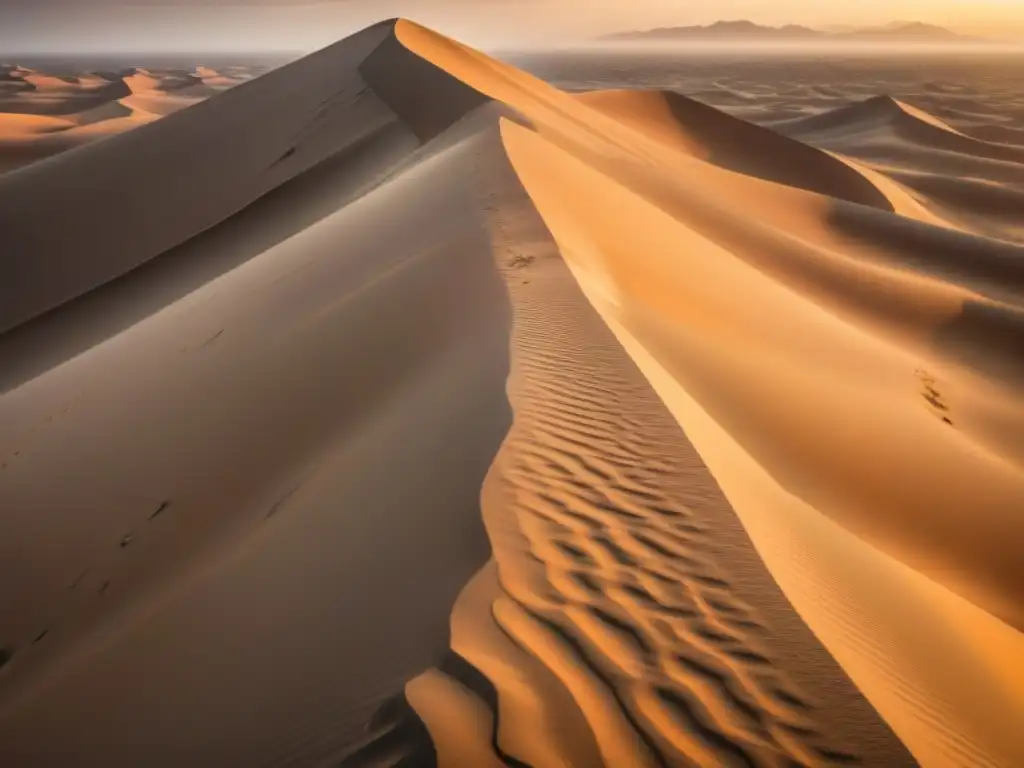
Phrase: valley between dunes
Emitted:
{"points": [[395, 407]]}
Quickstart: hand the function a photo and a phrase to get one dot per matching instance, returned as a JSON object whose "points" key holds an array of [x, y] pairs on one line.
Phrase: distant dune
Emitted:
{"points": [[33, 103], [396, 407]]}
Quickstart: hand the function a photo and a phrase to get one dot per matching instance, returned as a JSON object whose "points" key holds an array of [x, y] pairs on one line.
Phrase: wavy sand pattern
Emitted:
{"points": [[756, 502], [619, 634]]}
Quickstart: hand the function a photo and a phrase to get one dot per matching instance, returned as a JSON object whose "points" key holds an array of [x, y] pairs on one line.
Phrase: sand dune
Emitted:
{"points": [[13, 126], [964, 181], [736, 145], [451, 418], [214, 79], [112, 110], [28, 138], [43, 82], [162, 104], [34, 105], [904, 122], [144, 80]]}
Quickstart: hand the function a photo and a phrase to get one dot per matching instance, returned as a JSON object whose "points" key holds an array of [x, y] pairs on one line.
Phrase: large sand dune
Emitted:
{"points": [[398, 408]]}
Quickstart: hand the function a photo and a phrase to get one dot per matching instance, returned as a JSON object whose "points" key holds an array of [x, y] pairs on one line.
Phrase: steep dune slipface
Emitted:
{"points": [[748, 376], [113, 110]]}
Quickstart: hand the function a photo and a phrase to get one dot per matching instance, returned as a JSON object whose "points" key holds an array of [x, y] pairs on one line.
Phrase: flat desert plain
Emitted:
{"points": [[398, 407]]}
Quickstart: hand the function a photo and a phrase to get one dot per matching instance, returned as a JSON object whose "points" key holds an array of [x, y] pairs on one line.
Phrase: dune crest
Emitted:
{"points": [[755, 502]]}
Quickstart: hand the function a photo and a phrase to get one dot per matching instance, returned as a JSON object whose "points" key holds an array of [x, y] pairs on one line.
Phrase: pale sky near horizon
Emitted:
{"points": [[179, 25]]}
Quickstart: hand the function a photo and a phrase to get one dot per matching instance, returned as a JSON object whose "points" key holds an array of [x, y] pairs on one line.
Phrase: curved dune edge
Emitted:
{"points": [[894, 631]]}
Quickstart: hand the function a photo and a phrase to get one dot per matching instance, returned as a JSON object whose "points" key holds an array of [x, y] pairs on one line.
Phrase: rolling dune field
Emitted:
{"points": [[398, 407]]}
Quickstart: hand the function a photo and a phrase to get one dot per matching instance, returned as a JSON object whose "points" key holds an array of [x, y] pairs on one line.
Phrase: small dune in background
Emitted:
{"points": [[402, 408], [43, 115]]}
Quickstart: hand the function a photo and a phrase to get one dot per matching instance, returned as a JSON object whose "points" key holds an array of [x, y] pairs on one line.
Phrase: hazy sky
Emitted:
{"points": [[141, 25]]}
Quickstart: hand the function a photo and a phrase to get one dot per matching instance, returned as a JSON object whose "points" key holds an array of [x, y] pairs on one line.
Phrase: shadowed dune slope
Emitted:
{"points": [[735, 144], [906, 122], [972, 183], [756, 500], [425, 98], [240, 165]]}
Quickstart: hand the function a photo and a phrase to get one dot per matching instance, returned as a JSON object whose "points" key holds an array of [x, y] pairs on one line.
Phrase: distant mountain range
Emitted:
{"points": [[899, 31]]}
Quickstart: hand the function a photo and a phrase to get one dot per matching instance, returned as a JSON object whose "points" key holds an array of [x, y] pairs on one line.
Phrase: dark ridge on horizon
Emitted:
{"points": [[743, 29]]}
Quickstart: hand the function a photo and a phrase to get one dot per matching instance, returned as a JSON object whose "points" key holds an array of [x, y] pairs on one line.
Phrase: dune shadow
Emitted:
{"points": [[395, 737], [990, 267], [966, 194], [987, 336], [427, 99], [988, 339], [747, 148]]}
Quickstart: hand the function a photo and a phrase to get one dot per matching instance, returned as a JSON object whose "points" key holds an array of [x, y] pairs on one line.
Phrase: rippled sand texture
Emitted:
{"points": [[430, 414]]}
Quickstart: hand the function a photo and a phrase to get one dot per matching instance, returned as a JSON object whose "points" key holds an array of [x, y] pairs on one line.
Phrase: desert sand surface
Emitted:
{"points": [[397, 407]]}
